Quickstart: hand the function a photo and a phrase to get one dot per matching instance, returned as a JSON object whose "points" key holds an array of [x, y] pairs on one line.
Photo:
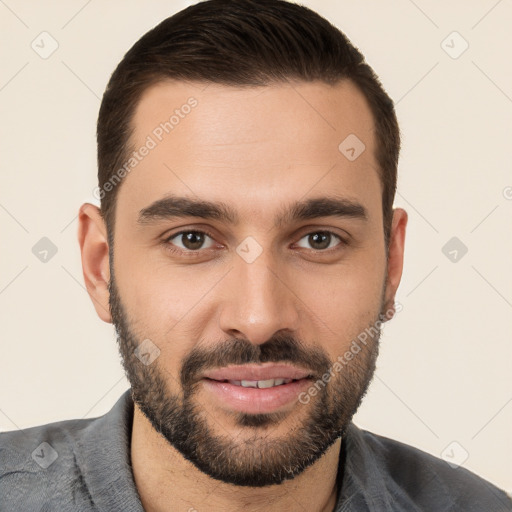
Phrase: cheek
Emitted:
{"points": [[341, 304], [164, 302], [152, 291]]}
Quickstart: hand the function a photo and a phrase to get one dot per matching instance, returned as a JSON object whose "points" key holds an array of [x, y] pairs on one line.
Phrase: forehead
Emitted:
{"points": [[252, 145]]}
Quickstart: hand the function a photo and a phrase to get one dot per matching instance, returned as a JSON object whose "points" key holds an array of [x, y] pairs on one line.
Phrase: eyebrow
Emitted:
{"points": [[172, 206]]}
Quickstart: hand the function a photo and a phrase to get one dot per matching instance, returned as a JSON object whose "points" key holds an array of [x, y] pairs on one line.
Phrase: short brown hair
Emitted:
{"points": [[240, 43]]}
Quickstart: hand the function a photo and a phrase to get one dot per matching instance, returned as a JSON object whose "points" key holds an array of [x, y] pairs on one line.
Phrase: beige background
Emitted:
{"points": [[444, 374]]}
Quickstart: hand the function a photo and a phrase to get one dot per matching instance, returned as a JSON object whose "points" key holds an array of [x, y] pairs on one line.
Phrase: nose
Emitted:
{"points": [[259, 301]]}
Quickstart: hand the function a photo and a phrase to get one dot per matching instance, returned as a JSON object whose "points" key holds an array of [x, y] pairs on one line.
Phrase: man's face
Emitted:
{"points": [[262, 295]]}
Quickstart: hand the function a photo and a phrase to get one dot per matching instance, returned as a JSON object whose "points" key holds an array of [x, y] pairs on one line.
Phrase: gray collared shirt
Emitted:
{"points": [[84, 466]]}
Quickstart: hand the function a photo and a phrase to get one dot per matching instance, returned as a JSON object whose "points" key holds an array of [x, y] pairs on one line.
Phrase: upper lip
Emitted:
{"points": [[257, 372]]}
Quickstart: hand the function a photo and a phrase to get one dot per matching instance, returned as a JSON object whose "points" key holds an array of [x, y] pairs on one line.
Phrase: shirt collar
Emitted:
{"points": [[369, 470], [104, 457], [364, 483]]}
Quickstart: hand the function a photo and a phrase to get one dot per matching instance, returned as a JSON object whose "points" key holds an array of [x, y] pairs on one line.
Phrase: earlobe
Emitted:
{"points": [[93, 240], [395, 259]]}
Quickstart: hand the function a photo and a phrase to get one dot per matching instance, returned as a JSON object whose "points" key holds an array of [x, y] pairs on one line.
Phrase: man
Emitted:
{"points": [[247, 252]]}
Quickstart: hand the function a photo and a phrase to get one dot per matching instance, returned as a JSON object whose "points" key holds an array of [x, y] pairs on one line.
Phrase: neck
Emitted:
{"points": [[165, 480]]}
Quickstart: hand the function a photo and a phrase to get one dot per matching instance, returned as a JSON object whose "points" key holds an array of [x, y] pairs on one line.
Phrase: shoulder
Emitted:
{"points": [[414, 476], [39, 464], [80, 464]]}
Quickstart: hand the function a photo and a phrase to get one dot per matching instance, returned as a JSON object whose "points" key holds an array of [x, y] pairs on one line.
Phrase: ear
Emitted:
{"points": [[395, 259], [93, 240]]}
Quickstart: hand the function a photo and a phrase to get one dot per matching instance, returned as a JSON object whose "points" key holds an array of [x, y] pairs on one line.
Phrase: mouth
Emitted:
{"points": [[260, 384], [256, 389], [265, 374]]}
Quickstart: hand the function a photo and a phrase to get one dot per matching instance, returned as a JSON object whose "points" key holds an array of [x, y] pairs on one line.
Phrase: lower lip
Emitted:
{"points": [[256, 400]]}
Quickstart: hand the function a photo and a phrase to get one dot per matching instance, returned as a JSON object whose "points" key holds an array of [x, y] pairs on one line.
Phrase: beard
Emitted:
{"points": [[253, 457]]}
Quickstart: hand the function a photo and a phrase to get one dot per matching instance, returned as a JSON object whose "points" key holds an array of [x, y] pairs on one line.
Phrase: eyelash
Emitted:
{"points": [[199, 252], [189, 252]]}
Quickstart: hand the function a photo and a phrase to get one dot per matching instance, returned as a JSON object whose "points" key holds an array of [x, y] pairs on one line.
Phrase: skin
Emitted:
{"points": [[258, 150]]}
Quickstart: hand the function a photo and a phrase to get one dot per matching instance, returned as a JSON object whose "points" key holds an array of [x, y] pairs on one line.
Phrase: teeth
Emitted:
{"points": [[266, 383], [249, 383], [270, 383]]}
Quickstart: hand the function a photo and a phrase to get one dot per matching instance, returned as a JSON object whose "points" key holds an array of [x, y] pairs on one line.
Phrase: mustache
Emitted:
{"points": [[281, 348]]}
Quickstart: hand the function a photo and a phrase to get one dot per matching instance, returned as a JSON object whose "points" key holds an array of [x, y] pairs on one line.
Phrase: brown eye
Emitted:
{"points": [[320, 240], [190, 240]]}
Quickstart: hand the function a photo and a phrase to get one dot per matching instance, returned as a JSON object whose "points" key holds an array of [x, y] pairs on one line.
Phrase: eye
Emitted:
{"points": [[320, 240], [190, 240]]}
